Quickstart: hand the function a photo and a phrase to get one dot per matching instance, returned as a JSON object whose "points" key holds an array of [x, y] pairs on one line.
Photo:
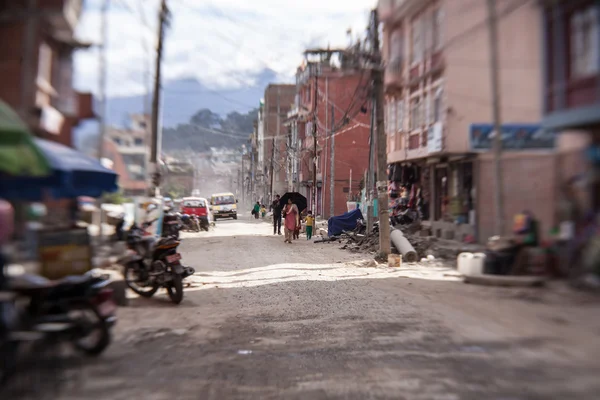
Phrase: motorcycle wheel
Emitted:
{"points": [[8, 360], [175, 290], [144, 291], [100, 328]]}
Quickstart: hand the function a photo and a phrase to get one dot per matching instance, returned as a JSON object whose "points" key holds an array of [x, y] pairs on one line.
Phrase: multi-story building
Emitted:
{"points": [[128, 149], [439, 112], [342, 132], [277, 103], [36, 71], [571, 82]]}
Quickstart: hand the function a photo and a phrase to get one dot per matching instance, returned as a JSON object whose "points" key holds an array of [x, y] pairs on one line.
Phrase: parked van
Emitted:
{"points": [[223, 205]]}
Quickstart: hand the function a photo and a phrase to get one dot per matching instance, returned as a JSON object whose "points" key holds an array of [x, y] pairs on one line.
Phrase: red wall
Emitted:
{"points": [[345, 92]]}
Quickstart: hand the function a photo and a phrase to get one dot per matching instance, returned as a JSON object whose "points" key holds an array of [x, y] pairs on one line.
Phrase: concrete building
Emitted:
{"points": [[439, 113], [129, 150], [571, 85], [278, 101], [36, 71], [343, 130]]}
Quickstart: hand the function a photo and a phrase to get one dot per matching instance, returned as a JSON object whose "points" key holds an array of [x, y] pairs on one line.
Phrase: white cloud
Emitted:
{"points": [[221, 43]]}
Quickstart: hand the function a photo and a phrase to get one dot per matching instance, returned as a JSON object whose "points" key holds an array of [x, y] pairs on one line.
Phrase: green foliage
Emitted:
{"points": [[207, 129], [174, 190], [115, 198]]}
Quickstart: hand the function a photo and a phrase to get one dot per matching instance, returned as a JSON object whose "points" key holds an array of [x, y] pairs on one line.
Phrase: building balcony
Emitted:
{"points": [[390, 11], [394, 79], [75, 105], [573, 105], [63, 14]]}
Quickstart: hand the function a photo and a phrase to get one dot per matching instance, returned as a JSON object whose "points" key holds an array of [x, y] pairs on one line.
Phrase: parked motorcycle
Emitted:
{"points": [[171, 225], [190, 223], [74, 308], [8, 346], [154, 264], [79, 310]]}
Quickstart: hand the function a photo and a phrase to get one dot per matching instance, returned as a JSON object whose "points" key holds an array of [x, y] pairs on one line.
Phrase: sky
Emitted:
{"points": [[224, 44]]}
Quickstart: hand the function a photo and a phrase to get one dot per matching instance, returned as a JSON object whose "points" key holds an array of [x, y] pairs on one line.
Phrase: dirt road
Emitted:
{"points": [[266, 320]]}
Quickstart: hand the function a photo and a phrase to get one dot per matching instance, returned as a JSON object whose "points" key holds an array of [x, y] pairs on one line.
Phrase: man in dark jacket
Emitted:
{"points": [[276, 207]]}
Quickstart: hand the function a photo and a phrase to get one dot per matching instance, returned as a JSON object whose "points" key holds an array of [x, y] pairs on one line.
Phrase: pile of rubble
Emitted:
{"points": [[424, 244]]}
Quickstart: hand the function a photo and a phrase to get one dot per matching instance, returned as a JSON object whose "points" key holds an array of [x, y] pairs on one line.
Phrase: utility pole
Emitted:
{"points": [[382, 195], [314, 133], [370, 176], [275, 138], [155, 142], [332, 167], [102, 77], [243, 180], [498, 182]]}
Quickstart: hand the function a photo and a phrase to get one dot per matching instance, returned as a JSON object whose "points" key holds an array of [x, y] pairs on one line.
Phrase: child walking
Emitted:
{"points": [[310, 222]]}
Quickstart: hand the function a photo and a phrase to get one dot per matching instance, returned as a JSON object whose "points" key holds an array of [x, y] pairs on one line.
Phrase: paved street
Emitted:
{"points": [[266, 320]]}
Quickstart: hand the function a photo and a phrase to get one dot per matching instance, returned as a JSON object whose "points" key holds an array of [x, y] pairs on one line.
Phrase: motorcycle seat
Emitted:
{"points": [[29, 282]]}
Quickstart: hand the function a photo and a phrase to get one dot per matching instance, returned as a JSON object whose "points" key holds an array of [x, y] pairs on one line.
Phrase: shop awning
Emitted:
{"points": [[73, 174], [19, 155]]}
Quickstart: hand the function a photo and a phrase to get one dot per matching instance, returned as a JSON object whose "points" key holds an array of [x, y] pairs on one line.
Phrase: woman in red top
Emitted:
{"points": [[291, 217]]}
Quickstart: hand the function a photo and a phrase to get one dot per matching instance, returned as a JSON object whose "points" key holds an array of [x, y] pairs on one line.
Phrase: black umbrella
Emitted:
{"points": [[297, 199]]}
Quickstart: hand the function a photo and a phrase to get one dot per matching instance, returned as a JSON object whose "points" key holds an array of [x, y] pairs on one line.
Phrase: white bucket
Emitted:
{"points": [[477, 264], [463, 263]]}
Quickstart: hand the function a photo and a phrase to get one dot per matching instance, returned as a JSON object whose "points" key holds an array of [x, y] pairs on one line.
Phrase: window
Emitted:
{"points": [[396, 50], [584, 42], [417, 40], [400, 115], [138, 142], [437, 105], [392, 116], [386, 118], [438, 37], [427, 114], [415, 114]]}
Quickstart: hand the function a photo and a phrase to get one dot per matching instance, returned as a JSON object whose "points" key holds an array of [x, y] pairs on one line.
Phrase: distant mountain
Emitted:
{"points": [[181, 100]]}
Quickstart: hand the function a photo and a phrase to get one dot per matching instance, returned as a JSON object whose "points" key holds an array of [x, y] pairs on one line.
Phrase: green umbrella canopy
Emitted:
{"points": [[19, 155]]}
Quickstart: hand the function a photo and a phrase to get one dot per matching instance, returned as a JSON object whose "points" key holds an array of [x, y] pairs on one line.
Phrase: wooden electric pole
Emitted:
{"points": [[332, 167], [102, 77], [498, 189], [314, 134], [155, 138], [382, 195]]}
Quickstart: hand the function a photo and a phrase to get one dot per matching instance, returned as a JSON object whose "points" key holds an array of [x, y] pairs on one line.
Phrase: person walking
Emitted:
{"points": [[256, 210], [291, 216], [276, 207], [310, 222]]}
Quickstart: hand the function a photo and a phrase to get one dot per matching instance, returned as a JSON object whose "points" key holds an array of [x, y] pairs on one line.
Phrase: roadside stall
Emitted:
{"points": [[34, 170]]}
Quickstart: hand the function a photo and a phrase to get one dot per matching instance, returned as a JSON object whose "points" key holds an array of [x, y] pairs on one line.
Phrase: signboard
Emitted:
{"points": [[434, 138], [514, 137], [64, 252]]}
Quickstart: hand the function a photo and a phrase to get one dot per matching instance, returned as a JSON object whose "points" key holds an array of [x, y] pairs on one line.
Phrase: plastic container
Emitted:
{"points": [[395, 260], [463, 263], [471, 264], [477, 264]]}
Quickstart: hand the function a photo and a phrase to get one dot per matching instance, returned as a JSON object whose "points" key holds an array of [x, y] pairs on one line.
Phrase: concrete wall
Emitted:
{"points": [[532, 181], [352, 140], [467, 88]]}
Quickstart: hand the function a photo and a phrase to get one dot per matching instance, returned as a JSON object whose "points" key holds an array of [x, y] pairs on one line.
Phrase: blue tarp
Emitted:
{"points": [[73, 174], [345, 222]]}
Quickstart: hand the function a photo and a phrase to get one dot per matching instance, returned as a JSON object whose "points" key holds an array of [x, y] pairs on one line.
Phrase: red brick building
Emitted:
{"points": [[277, 103], [36, 70], [342, 130]]}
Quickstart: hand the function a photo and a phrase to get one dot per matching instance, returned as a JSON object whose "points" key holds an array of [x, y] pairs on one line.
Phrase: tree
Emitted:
{"points": [[206, 118]]}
